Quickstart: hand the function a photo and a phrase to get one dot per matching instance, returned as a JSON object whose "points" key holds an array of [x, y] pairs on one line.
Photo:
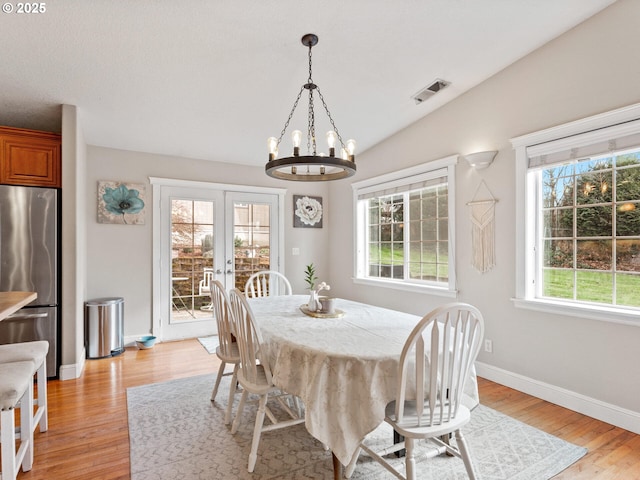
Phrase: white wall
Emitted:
{"points": [[74, 272], [589, 70], [119, 256]]}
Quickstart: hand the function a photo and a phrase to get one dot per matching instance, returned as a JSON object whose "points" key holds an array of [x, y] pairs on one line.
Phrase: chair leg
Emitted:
{"points": [[236, 421], [232, 391], [464, 453], [8, 440], [27, 427], [42, 413], [257, 431], [410, 460], [218, 378], [352, 464]]}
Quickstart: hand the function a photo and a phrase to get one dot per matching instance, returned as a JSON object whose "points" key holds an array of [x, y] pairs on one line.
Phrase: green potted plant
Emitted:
{"points": [[310, 276]]}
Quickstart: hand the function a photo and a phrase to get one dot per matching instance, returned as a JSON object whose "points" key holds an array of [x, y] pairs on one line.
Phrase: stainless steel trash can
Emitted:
{"points": [[104, 327]]}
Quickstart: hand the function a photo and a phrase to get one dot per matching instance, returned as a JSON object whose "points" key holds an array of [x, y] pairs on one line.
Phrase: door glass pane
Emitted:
{"points": [[251, 240], [192, 254]]}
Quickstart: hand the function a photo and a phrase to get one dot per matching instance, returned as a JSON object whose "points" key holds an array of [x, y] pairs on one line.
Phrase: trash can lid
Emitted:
{"points": [[105, 301]]}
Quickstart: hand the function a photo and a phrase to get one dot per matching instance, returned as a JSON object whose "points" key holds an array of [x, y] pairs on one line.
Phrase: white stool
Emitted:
{"points": [[36, 353], [16, 391]]}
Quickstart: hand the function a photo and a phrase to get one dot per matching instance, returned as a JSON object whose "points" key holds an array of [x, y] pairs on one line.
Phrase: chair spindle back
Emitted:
{"points": [[220, 304], [267, 283], [248, 337], [454, 333]]}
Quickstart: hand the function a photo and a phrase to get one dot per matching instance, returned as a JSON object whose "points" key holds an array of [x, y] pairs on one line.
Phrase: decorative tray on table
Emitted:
{"points": [[336, 313]]}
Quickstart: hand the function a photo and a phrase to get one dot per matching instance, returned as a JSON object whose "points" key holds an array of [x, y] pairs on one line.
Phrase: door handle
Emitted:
{"points": [[25, 316]]}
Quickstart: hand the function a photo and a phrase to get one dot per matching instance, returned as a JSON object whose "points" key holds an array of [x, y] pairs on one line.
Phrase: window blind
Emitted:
{"points": [[402, 185], [599, 142]]}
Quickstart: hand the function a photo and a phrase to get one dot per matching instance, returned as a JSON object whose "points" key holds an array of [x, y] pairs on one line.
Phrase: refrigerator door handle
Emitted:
{"points": [[23, 316]]}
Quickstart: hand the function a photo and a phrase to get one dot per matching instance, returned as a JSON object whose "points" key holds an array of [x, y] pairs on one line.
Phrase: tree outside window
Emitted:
{"points": [[591, 230]]}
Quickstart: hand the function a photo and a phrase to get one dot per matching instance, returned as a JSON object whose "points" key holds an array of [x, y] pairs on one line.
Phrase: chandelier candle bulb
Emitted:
{"points": [[331, 141], [351, 148], [272, 145], [296, 139]]}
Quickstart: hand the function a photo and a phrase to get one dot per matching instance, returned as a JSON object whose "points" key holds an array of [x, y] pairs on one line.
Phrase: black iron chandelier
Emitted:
{"points": [[314, 166]]}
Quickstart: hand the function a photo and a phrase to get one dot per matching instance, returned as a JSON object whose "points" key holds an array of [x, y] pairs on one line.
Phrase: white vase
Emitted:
{"points": [[313, 304]]}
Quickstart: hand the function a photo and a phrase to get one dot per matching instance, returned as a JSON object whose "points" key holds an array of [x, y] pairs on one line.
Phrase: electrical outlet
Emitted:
{"points": [[488, 346]]}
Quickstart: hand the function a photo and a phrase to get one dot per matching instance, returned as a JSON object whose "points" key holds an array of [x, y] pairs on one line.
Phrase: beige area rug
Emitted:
{"points": [[176, 432], [209, 343]]}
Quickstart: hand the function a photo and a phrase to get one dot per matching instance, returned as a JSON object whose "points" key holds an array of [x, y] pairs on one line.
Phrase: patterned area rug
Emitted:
{"points": [[176, 432], [209, 343]]}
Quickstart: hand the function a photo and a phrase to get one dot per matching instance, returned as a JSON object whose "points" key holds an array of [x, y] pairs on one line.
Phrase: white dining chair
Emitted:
{"points": [[204, 286], [254, 376], [267, 283], [434, 366], [227, 350]]}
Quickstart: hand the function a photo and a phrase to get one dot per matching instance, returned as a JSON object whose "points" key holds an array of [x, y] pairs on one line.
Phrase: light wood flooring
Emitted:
{"points": [[88, 435]]}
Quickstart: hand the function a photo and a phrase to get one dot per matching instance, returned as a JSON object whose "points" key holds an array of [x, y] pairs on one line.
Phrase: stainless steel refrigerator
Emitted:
{"points": [[29, 261]]}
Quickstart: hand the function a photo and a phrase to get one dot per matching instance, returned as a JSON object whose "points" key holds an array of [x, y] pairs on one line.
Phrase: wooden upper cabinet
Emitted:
{"points": [[29, 157]]}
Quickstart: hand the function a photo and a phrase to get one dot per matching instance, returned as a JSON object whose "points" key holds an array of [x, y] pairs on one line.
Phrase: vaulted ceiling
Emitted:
{"points": [[213, 79]]}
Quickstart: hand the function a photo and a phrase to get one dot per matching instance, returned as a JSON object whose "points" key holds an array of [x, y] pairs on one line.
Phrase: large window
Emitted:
{"points": [[590, 235], [404, 233], [578, 218]]}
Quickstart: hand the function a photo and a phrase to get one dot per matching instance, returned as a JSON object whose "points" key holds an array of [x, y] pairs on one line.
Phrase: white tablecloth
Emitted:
{"points": [[344, 369]]}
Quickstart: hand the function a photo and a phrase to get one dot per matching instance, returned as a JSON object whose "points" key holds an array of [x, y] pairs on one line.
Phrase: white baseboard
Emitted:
{"points": [[606, 412], [70, 372]]}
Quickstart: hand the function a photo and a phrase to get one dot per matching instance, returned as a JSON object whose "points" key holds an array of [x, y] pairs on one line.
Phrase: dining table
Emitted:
{"points": [[343, 366]]}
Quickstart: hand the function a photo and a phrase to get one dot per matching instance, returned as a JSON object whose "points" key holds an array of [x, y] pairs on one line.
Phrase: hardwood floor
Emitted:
{"points": [[88, 434]]}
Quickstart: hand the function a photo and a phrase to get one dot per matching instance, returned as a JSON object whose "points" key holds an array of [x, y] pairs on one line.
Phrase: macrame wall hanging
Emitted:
{"points": [[483, 232]]}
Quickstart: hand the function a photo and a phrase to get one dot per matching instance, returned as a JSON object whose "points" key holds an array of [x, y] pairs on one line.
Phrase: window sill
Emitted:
{"points": [[624, 316], [407, 287]]}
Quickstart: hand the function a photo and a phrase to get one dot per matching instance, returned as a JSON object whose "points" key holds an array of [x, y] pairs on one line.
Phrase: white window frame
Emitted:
{"points": [[436, 168], [591, 130]]}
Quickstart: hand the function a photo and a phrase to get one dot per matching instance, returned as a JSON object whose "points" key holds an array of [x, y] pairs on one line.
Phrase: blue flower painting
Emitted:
{"points": [[121, 203]]}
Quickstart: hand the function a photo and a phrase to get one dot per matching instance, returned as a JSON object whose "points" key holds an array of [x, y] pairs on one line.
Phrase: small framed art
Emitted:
{"points": [[307, 211], [121, 203]]}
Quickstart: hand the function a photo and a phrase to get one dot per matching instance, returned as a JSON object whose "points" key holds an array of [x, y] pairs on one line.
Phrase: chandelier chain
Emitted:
{"points": [[310, 79], [311, 126], [311, 119], [295, 104], [333, 124]]}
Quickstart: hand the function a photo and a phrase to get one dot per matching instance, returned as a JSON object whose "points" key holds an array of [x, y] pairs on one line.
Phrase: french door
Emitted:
{"points": [[208, 232]]}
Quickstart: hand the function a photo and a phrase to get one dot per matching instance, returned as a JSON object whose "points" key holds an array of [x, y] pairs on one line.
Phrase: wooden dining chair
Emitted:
{"points": [[267, 283], [227, 350], [434, 367], [254, 376]]}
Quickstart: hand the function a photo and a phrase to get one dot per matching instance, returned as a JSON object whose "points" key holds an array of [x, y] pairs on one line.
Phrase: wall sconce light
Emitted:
{"points": [[480, 160]]}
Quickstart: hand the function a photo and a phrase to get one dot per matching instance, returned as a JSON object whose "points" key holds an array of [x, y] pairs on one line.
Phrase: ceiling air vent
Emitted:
{"points": [[431, 90]]}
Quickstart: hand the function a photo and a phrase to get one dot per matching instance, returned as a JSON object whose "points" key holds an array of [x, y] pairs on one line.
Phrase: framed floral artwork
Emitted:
{"points": [[121, 203], [307, 211]]}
